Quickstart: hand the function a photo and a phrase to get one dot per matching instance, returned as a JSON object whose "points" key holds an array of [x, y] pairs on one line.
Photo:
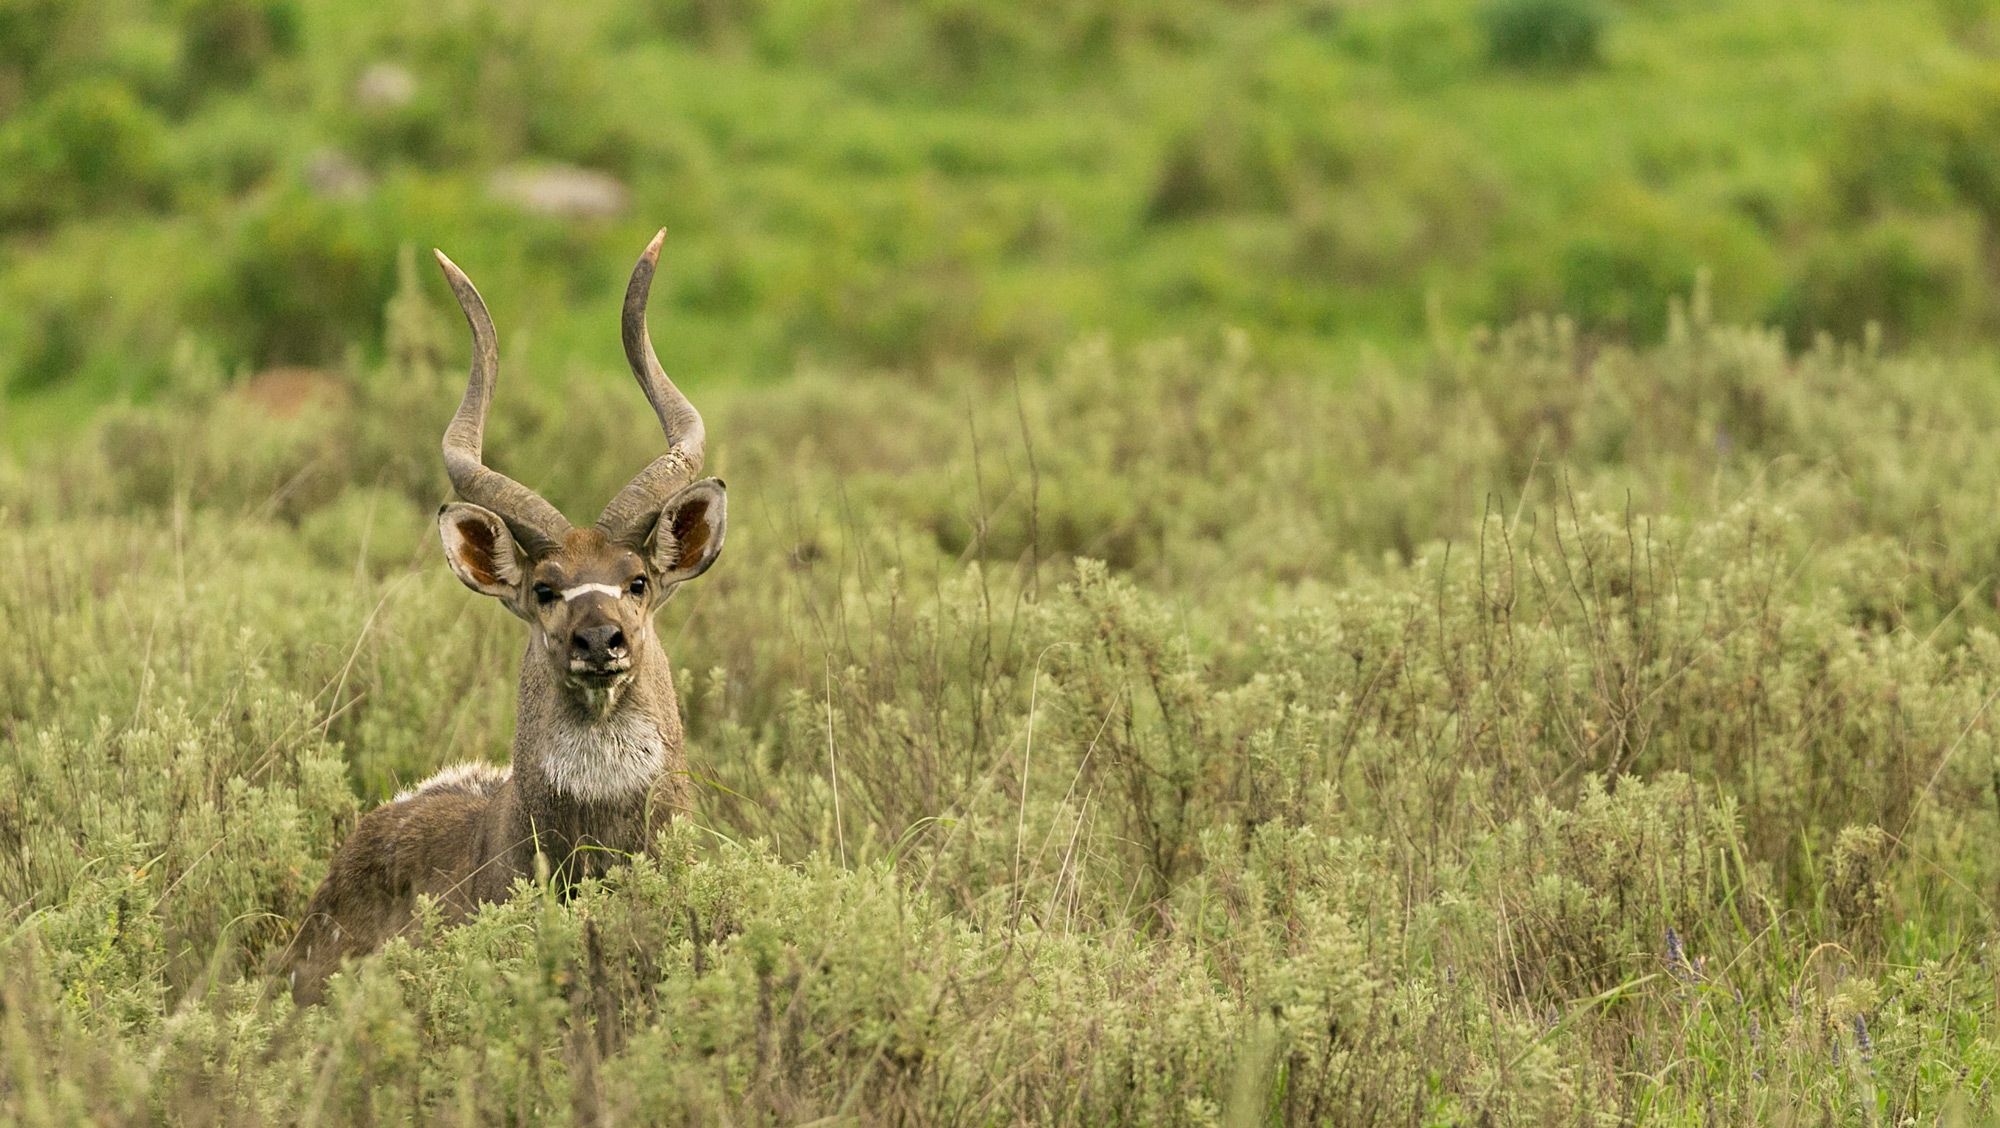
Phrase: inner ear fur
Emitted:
{"points": [[688, 536], [480, 550]]}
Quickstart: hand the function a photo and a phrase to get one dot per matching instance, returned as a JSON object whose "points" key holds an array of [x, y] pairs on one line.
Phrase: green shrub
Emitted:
{"points": [[226, 42], [1544, 34], [1233, 162], [520, 67], [39, 41], [88, 147], [1912, 281], [1623, 286], [710, 23], [57, 344], [307, 276], [1925, 149]]}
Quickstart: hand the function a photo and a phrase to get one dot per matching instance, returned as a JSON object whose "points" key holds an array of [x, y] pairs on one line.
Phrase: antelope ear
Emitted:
{"points": [[688, 535], [480, 550]]}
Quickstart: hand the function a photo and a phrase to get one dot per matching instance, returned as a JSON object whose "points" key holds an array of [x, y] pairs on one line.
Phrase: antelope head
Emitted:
{"points": [[587, 595]]}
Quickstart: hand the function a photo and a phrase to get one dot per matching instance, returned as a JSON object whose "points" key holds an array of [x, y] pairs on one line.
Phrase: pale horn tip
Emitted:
{"points": [[452, 273]]}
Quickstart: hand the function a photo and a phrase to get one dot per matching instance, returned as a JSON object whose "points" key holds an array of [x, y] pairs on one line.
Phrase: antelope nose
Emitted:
{"points": [[598, 644]]}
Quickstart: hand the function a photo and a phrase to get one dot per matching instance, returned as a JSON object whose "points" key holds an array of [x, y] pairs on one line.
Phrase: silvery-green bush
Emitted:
{"points": [[1542, 735]]}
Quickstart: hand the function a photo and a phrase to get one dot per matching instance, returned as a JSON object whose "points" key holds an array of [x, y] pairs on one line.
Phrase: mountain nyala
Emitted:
{"points": [[598, 765]]}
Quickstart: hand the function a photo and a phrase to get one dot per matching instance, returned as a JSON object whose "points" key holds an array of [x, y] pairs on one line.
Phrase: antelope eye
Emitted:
{"points": [[637, 586], [545, 593]]}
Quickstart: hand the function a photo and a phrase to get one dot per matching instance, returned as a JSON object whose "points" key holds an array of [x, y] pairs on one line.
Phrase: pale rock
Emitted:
{"points": [[560, 190]]}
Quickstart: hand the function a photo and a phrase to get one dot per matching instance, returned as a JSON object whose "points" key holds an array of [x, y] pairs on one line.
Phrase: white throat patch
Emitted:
{"points": [[613, 759], [589, 589]]}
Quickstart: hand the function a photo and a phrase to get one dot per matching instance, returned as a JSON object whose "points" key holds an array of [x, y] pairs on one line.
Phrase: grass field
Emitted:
{"points": [[1534, 735], [1173, 663]]}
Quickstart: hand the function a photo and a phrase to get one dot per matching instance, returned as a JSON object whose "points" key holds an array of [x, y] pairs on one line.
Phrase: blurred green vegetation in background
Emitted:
{"points": [[878, 184]]}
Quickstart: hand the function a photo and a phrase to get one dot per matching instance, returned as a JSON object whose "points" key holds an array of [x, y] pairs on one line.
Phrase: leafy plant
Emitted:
{"points": [[1544, 34]]}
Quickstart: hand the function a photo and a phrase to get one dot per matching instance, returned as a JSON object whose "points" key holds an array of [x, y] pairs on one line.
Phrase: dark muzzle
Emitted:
{"points": [[600, 648]]}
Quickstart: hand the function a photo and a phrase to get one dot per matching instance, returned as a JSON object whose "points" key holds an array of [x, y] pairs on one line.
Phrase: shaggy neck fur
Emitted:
{"points": [[597, 773], [605, 760]]}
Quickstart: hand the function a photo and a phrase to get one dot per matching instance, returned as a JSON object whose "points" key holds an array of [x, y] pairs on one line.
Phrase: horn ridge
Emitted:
{"points": [[534, 522], [637, 505]]}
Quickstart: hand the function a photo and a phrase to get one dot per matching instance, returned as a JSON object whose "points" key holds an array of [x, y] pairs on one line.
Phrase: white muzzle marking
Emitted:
{"points": [[587, 589]]}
